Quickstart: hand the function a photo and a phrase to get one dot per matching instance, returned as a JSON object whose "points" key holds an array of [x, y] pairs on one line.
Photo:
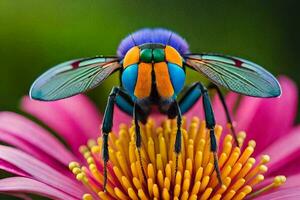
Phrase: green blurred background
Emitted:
{"points": [[35, 35]]}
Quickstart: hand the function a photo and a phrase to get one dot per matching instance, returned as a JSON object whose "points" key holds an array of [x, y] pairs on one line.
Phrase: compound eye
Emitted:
{"points": [[177, 76], [131, 57], [146, 55], [129, 78]]}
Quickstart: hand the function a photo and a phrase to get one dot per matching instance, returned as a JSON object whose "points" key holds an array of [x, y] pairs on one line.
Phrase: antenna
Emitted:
{"points": [[133, 40], [169, 38]]}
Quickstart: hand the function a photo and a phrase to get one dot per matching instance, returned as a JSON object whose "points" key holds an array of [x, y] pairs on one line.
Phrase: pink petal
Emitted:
{"points": [[290, 167], [85, 113], [40, 171], [265, 120], [292, 181], [27, 185], [246, 112], [120, 118], [76, 119], [284, 153], [157, 116], [195, 111], [231, 99], [27, 135], [34, 151], [282, 194], [11, 168]]}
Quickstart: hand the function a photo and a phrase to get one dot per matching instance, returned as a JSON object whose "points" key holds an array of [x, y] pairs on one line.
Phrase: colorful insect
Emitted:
{"points": [[152, 63]]}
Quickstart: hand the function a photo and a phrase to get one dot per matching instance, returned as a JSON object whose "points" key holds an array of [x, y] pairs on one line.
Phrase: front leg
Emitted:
{"points": [[138, 139], [192, 95], [228, 117], [108, 123], [210, 124], [174, 111]]}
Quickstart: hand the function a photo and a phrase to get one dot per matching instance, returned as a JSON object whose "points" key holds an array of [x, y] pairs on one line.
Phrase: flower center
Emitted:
{"points": [[195, 178]]}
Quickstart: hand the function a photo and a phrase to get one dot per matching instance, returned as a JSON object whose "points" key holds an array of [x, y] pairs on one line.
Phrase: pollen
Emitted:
{"points": [[242, 174]]}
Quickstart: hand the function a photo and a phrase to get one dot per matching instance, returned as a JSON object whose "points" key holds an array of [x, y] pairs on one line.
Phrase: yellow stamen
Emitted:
{"points": [[195, 178], [87, 197], [278, 181], [103, 196], [120, 194]]}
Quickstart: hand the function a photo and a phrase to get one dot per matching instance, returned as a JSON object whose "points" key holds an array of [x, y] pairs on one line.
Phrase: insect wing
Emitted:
{"points": [[72, 77], [235, 74]]}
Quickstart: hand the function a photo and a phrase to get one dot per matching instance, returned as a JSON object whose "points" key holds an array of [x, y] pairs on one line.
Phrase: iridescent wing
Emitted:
{"points": [[72, 77], [235, 74]]}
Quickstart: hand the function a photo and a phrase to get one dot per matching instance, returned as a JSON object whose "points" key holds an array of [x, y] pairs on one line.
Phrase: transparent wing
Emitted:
{"points": [[72, 77], [235, 74]]}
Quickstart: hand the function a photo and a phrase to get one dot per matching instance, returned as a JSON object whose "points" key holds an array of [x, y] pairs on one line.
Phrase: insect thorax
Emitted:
{"points": [[153, 66]]}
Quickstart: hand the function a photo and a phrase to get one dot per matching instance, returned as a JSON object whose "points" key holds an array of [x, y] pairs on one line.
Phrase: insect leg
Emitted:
{"points": [[194, 92], [138, 138], [107, 126], [174, 111], [228, 117], [178, 136], [210, 124], [189, 98], [125, 103]]}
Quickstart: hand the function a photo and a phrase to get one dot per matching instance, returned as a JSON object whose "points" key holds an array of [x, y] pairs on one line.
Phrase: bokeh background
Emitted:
{"points": [[35, 35]]}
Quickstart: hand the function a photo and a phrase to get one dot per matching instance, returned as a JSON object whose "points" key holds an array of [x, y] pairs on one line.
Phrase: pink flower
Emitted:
{"points": [[40, 161]]}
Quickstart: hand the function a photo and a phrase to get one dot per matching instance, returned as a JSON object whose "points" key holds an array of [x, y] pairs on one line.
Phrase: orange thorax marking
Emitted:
{"points": [[163, 81], [173, 56], [131, 57], [144, 80]]}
